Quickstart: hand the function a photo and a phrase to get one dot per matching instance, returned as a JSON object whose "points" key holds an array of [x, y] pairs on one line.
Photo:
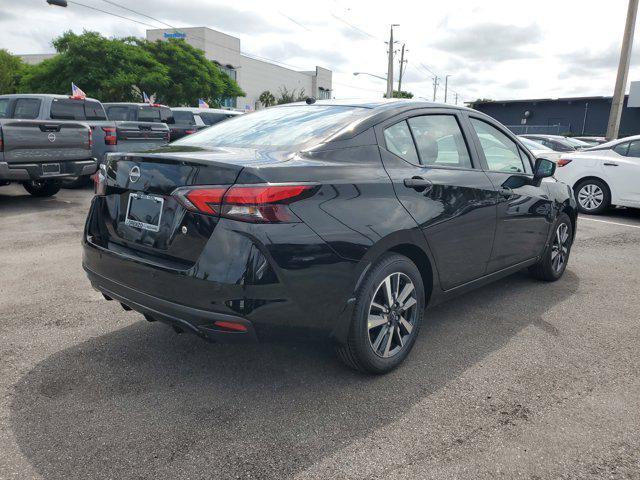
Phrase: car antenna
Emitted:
{"points": [[310, 100]]}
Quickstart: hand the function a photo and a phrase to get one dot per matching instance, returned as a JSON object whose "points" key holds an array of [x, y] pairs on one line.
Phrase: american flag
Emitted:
{"points": [[202, 103], [76, 92], [145, 99]]}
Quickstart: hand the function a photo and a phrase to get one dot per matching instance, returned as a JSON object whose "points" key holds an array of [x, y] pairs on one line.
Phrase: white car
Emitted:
{"points": [[539, 150], [606, 175]]}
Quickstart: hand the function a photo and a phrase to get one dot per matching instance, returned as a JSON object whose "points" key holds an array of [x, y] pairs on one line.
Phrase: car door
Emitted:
{"points": [[427, 155], [524, 210], [621, 171]]}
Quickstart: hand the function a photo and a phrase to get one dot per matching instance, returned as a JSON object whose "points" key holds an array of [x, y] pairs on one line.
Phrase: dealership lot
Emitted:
{"points": [[517, 379]]}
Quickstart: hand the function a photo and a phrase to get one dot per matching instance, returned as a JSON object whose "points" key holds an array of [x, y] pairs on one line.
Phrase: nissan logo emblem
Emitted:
{"points": [[52, 137], [134, 174]]}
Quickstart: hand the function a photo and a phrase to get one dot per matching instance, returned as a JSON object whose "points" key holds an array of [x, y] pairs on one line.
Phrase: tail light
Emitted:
{"points": [[563, 162], [189, 132], [248, 203], [90, 139], [100, 181], [167, 135], [110, 135]]}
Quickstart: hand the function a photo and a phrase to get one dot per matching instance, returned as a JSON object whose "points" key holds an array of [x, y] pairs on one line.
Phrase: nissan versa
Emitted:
{"points": [[326, 220]]}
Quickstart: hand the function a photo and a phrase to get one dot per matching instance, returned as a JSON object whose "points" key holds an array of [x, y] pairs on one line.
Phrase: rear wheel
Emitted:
{"points": [[42, 188], [593, 196], [555, 258], [387, 316]]}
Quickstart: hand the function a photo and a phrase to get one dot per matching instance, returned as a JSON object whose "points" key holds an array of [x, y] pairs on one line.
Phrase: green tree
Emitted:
{"points": [[290, 96], [402, 94], [267, 98], [11, 69]]}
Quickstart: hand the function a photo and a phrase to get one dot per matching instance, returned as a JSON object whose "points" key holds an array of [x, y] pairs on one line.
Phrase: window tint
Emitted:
{"points": [[27, 108], [184, 117], [399, 141], [94, 111], [621, 148], [634, 149], [501, 152], [4, 107], [211, 118], [149, 114], [286, 126], [62, 109], [118, 113], [440, 141]]}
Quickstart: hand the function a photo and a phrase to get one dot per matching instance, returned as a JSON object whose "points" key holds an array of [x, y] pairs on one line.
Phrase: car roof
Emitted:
{"points": [[380, 104], [44, 95], [613, 143], [135, 104]]}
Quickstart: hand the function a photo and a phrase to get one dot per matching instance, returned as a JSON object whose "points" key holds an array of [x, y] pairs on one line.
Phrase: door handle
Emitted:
{"points": [[610, 164], [419, 184]]}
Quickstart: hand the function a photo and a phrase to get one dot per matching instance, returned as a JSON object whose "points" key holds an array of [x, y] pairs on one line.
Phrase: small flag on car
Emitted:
{"points": [[202, 103], [76, 92], [145, 99]]}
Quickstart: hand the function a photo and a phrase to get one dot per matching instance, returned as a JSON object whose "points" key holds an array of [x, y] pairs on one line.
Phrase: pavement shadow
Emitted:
{"points": [[142, 402]]}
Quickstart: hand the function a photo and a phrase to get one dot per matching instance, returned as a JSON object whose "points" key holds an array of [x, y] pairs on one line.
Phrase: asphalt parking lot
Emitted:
{"points": [[519, 379]]}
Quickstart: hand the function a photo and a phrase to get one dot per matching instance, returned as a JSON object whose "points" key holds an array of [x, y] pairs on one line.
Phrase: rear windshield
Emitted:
{"points": [[67, 109], [183, 117], [118, 113], [209, 118], [148, 114], [276, 127], [533, 145]]}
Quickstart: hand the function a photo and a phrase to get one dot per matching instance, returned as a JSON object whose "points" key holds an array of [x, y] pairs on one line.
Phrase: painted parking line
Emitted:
{"points": [[611, 223]]}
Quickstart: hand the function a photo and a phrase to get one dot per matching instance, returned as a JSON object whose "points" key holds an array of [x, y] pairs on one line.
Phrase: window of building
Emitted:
{"points": [[502, 153], [399, 141], [27, 108], [440, 141], [324, 94], [228, 102]]}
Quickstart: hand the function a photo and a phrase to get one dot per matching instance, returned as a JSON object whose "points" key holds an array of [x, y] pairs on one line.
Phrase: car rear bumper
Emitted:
{"points": [[33, 171]]}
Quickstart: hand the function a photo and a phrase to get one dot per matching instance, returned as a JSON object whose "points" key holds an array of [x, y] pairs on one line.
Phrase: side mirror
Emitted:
{"points": [[543, 168]]}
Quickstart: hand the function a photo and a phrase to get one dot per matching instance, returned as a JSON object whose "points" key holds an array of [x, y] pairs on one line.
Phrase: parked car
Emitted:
{"points": [[328, 220], [592, 141], [188, 120], [39, 153], [539, 150], [108, 135], [605, 175], [558, 142]]}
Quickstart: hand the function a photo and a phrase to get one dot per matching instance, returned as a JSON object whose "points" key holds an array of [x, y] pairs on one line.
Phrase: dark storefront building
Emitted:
{"points": [[575, 116]]}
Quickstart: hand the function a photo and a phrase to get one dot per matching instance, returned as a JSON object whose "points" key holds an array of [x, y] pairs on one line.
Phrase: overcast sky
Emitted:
{"points": [[491, 48]]}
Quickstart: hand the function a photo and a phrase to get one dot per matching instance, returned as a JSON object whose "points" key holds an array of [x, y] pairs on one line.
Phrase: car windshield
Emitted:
{"points": [[532, 145], [276, 127]]}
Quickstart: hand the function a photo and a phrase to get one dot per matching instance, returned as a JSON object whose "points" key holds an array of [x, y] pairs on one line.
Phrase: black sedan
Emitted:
{"points": [[325, 220]]}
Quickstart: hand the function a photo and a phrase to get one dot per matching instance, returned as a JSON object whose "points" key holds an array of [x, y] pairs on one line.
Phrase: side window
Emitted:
{"points": [[4, 107], [622, 148], [501, 152], [62, 109], [399, 141], [94, 110], [634, 149], [440, 141], [118, 113], [27, 108]]}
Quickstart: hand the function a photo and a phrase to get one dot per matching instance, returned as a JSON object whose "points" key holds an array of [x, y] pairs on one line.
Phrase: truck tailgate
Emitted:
{"points": [[35, 141], [140, 136]]}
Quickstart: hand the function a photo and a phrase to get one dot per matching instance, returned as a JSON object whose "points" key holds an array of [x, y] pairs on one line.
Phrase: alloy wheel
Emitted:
{"points": [[392, 315], [590, 196], [560, 248]]}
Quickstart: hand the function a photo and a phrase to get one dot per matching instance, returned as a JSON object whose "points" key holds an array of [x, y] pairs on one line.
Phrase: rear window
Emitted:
{"points": [[277, 127], [94, 111], [27, 108], [63, 109], [118, 113], [184, 117], [4, 107], [209, 118], [149, 114]]}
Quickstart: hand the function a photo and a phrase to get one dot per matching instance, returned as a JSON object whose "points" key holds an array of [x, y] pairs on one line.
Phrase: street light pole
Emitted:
{"points": [[436, 82], [390, 64], [617, 102]]}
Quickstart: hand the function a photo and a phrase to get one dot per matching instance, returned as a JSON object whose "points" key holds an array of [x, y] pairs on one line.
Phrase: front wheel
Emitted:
{"points": [[42, 188], [387, 316], [556, 256]]}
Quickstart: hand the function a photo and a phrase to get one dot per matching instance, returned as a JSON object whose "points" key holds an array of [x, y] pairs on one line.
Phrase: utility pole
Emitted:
{"points": [[617, 102], [390, 64], [436, 82], [446, 87], [456, 98], [401, 69]]}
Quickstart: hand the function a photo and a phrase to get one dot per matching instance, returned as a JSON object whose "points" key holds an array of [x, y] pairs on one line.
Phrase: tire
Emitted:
{"points": [[593, 196], [385, 345], [552, 265], [77, 182], [42, 188]]}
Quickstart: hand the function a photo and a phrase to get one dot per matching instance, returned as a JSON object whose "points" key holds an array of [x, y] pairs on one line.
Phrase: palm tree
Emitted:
{"points": [[267, 99]]}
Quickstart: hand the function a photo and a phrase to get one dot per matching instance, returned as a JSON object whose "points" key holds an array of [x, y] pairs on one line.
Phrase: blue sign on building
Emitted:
{"points": [[174, 35]]}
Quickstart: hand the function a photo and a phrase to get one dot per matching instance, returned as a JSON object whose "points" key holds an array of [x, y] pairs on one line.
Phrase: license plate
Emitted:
{"points": [[144, 211], [50, 169]]}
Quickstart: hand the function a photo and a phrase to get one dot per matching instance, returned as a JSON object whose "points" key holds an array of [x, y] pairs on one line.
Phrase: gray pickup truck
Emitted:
{"points": [[39, 153], [109, 135]]}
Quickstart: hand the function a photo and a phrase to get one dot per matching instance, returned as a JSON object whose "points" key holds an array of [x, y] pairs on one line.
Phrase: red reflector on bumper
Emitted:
{"points": [[236, 327]]}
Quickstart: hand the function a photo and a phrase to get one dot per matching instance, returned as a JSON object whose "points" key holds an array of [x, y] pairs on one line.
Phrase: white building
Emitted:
{"points": [[254, 76]]}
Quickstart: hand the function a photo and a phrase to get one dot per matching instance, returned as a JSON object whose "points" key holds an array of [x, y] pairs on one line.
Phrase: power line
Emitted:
{"points": [[110, 13]]}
